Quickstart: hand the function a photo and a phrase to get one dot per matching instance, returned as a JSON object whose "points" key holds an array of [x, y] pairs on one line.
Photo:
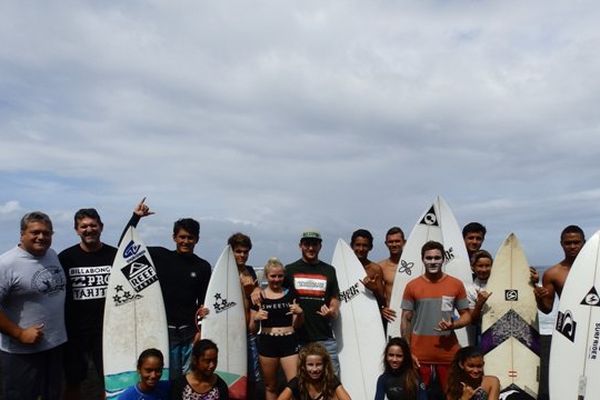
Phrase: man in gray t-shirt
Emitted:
{"points": [[32, 327]]}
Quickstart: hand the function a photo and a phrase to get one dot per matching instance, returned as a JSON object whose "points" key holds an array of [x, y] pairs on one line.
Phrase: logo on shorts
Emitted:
{"points": [[140, 274], [430, 218], [222, 304], [349, 293], [511, 295], [566, 325], [591, 298], [123, 296]]}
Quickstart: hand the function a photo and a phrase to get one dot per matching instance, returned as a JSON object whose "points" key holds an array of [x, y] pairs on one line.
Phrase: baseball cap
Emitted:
{"points": [[311, 234]]}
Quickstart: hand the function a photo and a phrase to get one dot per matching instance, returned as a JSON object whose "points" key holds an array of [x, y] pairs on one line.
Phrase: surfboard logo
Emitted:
{"points": [[511, 295], [123, 296], [591, 298], [406, 267], [430, 218], [131, 249], [566, 325], [140, 274], [222, 304], [349, 293], [595, 343]]}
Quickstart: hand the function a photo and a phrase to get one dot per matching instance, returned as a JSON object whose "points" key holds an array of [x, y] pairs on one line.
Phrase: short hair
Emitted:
{"points": [[86, 213], [239, 239], [473, 227], [199, 348], [187, 224], [572, 229], [433, 245], [362, 233], [150, 353], [393, 230], [35, 216], [480, 254]]}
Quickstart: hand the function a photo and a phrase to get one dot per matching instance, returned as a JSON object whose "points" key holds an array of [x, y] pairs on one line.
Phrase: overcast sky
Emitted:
{"points": [[270, 117]]}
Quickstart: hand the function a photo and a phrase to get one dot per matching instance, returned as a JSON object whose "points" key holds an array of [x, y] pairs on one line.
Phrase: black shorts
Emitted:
{"points": [[77, 351], [278, 346]]}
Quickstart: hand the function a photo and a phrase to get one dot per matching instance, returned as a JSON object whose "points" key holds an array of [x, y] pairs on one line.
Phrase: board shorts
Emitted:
{"points": [[278, 346]]}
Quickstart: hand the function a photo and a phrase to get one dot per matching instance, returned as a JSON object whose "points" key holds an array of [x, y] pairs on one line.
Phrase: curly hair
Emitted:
{"points": [[458, 375], [326, 384]]}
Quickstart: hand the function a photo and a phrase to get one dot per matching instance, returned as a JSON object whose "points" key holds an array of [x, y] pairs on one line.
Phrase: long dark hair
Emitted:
{"points": [[326, 385], [406, 370], [458, 375], [199, 348]]}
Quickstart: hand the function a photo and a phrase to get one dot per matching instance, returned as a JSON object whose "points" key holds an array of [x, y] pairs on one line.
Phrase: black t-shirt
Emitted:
{"points": [[315, 285], [183, 280], [278, 309], [87, 280]]}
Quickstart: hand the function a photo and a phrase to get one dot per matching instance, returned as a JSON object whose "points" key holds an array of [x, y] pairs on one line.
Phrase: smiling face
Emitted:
{"points": [[314, 366], [482, 268], [36, 239], [572, 244], [394, 357], [361, 247], [89, 230], [310, 250], [150, 372], [395, 244], [473, 241], [473, 367], [275, 277], [241, 254], [184, 241]]}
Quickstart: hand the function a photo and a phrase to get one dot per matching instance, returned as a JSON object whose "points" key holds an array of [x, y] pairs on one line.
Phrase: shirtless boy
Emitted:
{"points": [[394, 240], [362, 243]]}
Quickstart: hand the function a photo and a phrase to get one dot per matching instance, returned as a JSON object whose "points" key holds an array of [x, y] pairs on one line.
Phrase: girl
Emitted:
{"points": [[315, 380], [201, 383], [150, 387], [466, 380], [399, 381], [277, 315]]}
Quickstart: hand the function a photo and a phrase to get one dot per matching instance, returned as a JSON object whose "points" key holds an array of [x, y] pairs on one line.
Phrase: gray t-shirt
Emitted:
{"points": [[32, 292]]}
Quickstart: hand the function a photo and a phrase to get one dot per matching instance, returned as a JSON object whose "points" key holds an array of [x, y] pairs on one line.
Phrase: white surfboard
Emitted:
{"points": [[437, 223], [574, 355], [134, 315], [358, 329], [510, 338], [225, 323]]}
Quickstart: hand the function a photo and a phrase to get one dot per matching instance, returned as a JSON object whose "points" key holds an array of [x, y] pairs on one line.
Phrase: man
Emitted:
{"points": [[183, 280], [87, 268], [572, 240], [316, 286], [361, 243], [241, 245], [428, 304], [394, 240], [473, 234], [32, 326]]}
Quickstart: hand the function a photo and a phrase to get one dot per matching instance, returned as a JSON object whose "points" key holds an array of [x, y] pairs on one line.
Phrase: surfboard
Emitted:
{"points": [[134, 315], [358, 329], [510, 338], [225, 323], [574, 357], [439, 224]]}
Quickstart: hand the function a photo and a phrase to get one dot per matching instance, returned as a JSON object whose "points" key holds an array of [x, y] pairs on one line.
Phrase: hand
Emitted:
{"points": [[540, 291], [261, 315], [142, 210], [32, 334], [482, 296], [415, 361], [202, 312], [326, 312], [534, 277], [370, 283], [295, 308], [388, 314], [256, 296], [467, 392], [444, 325]]}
